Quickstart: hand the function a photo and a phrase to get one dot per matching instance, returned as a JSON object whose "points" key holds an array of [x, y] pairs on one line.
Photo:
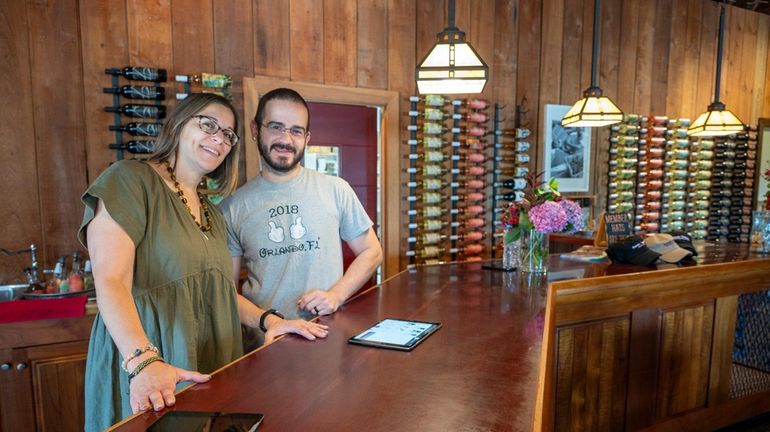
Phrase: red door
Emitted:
{"points": [[352, 129]]}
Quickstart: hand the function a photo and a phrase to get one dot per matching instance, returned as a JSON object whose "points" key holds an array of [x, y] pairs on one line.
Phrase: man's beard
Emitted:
{"points": [[279, 166]]}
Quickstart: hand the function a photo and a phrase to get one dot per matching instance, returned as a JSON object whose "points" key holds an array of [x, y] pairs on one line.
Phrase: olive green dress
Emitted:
{"points": [[183, 289]]}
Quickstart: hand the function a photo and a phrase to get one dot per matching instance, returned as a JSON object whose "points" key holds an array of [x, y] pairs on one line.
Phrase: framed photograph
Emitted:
{"points": [[567, 151]]}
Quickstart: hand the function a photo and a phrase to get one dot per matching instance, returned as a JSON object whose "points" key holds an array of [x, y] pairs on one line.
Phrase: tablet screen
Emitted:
{"points": [[395, 334], [206, 421]]}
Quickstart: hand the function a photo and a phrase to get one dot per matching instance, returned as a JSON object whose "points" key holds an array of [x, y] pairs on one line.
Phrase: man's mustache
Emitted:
{"points": [[283, 147]]}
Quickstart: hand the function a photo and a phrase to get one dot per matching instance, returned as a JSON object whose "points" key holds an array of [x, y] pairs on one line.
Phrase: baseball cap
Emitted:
{"points": [[665, 245], [632, 250], [684, 241]]}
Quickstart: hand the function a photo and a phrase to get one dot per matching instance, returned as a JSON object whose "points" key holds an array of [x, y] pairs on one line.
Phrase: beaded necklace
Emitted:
{"points": [[180, 192]]}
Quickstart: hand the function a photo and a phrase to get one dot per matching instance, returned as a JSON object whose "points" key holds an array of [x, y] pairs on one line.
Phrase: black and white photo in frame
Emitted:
{"points": [[567, 151]]}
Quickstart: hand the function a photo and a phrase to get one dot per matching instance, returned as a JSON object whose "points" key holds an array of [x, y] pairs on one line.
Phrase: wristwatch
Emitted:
{"points": [[264, 315]]}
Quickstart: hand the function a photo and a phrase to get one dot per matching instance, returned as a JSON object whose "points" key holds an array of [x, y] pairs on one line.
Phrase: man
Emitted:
{"points": [[287, 225]]}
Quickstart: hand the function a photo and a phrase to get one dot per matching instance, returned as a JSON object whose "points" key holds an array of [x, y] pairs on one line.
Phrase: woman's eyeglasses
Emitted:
{"points": [[210, 126]]}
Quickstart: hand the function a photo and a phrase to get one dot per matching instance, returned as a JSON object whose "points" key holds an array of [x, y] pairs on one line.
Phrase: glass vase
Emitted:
{"points": [[534, 252], [511, 255]]}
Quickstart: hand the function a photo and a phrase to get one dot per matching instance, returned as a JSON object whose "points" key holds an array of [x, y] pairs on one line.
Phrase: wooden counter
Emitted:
{"points": [[627, 348]]}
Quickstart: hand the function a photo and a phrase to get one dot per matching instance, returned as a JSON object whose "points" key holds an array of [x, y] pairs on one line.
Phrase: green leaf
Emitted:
{"points": [[524, 221], [512, 235]]}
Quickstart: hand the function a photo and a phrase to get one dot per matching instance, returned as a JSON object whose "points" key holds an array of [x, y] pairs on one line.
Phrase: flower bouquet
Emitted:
{"points": [[542, 211]]}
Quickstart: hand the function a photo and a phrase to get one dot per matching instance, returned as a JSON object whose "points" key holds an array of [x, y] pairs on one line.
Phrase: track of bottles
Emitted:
{"points": [[144, 107], [460, 167], [667, 181]]}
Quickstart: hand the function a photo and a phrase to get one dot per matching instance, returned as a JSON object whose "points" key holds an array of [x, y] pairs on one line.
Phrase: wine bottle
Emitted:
{"points": [[209, 80], [138, 92], [516, 183], [435, 238], [139, 73], [430, 100], [437, 184], [436, 198], [140, 129], [427, 142], [429, 170], [518, 133], [432, 156], [136, 146], [139, 111], [515, 196]]}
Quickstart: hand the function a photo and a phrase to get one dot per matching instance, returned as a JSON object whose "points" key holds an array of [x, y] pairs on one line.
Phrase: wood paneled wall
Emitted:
{"points": [[657, 56]]}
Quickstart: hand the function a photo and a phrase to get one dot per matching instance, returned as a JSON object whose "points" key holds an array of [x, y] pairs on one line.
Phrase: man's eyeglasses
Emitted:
{"points": [[210, 126], [279, 129]]}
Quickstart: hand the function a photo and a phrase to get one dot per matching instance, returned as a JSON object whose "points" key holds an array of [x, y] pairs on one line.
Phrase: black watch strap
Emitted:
{"points": [[264, 315]]}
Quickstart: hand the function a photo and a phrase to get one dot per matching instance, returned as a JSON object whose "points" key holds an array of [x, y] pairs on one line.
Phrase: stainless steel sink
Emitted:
{"points": [[12, 292]]}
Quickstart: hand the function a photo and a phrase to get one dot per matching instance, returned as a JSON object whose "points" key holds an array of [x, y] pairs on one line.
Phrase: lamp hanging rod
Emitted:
{"points": [[595, 54], [451, 13], [719, 51]]}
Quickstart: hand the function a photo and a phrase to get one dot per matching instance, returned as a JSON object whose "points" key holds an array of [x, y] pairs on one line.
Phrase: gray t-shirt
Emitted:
{"points": [[289, 235]]}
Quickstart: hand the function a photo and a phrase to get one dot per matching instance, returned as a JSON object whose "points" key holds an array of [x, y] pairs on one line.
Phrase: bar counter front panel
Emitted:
{"points": [[611, 338]]}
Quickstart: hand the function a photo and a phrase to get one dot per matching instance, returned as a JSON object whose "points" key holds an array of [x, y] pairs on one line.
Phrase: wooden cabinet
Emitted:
{"points": [[42, 372]]}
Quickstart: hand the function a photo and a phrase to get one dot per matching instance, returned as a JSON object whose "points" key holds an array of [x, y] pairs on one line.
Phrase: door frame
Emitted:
{"points": [[388, 101]]}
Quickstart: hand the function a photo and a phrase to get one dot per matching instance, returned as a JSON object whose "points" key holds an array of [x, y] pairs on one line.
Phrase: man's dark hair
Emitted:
{"points": [[280, 94]]}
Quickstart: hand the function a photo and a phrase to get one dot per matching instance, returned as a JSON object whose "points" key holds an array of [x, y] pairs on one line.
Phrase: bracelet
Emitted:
{"points": [[146, 362], [264, 315], [137, 352]]}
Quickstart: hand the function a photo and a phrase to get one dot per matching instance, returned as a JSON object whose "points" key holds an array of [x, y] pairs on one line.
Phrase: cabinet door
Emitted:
{"points": [[58, 376], [17, 410], [42, 388]]}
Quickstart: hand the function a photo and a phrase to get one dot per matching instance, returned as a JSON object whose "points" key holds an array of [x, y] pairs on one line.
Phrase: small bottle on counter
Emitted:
{"points": [[88, 277], [75, 277]]}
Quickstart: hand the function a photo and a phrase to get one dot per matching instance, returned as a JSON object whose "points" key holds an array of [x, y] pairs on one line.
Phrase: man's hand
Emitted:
{"points": [[309, 330], [320, 302]]}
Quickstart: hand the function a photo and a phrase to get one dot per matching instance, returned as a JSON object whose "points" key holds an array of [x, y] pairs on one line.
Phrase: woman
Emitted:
{"points": [[168, 307]]}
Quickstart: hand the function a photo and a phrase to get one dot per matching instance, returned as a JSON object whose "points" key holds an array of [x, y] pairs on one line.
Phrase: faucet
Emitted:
{"points": [[33, 275]]}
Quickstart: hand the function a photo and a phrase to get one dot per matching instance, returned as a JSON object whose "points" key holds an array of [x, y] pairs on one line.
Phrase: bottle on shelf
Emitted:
{"points": [[516, 183], [138, 92], [136, 146], [435, 238], [139, 129], [436, 198], [75, 276], [209, 80], [429, 170], [88, 276], [139, 111], [62, 284], [139, 73]]}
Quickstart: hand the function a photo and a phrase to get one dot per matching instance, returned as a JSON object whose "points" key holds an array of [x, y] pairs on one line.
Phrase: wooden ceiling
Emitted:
{"points": [[761, 6]]}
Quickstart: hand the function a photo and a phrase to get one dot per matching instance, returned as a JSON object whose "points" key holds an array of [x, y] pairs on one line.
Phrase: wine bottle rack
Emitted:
{"points": [[151, 91], [448, 159], [205, 82], [666, 181], [508, 176]]}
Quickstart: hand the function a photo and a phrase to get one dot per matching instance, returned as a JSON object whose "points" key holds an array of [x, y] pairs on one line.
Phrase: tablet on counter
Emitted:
{"points": [[206, 421], [395, 334]]}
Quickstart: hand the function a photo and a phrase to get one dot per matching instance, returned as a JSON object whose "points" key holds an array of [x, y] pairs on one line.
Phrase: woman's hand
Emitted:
{"points": [[154, 386], [277, 326]]}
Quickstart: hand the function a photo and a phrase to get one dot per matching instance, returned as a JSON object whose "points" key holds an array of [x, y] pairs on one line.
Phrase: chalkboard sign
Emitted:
{"points": [[618, 226]]}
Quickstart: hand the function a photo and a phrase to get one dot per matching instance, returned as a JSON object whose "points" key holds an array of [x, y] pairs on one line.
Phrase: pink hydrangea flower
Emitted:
{"points": [[574, 215], [548, 217]]}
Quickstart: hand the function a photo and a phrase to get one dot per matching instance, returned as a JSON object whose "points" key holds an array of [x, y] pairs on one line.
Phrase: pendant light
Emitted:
{"points": [[717, 120], [452, 66], [594, 110]]}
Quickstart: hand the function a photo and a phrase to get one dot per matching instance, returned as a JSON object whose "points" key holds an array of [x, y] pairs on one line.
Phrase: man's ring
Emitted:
{"points": [[316, 310]]}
